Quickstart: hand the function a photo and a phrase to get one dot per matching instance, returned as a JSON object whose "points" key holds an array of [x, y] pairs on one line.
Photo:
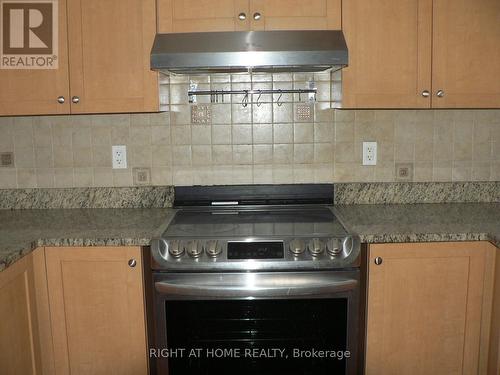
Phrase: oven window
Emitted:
{"points": [[258, 337]]}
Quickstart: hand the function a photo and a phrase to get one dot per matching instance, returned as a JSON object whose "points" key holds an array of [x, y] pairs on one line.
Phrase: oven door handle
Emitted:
{"points": [[253, 285]]}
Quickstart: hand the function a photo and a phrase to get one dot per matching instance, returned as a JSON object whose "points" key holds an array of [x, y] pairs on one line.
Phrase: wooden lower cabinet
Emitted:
{"points": [[97, 310], [429, 308], [25, 337]]}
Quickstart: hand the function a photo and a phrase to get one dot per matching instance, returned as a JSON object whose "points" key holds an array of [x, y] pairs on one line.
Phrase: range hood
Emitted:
{"points": [[244, 51]]}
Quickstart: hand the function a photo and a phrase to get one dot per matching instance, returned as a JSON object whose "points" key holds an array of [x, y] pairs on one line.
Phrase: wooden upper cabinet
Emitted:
{"points": [[181, 16], [36, 92], [109, 55], [97, 310], [25, 337], [295, 14], [466, 53], [389, 44], [425, 308]]}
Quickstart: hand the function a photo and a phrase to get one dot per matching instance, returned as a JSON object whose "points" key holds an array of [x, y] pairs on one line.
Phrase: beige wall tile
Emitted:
{"points": [[263, 154], [82, 157], [122, 177], [222, 135], [83, 177], [242, 154], [201, 135], [103, 177], [26, 177], [24, 157], [63, 156], [303, 153], [63, 177], [101, 156], [303, 133], [262, 133], [242, 134], [44, 157], [283, 133], [161, 155], [8, 178], [282, 153], [45, 177], [222, 154], [202, 155]]}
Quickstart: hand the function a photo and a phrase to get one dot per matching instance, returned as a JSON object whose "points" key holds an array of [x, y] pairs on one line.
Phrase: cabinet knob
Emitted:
{"points": [[440, 93], [378, 261], [257, 16], [132, 263], [61, 100], [242, 16], [75, 99], [426, 93]]}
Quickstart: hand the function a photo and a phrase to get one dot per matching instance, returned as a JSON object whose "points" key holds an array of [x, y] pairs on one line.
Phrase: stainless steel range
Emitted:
{"points": [[251, 270]]}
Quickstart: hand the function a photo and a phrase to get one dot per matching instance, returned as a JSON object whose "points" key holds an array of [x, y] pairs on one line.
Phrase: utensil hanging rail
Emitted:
{"points": [[214, 94]]}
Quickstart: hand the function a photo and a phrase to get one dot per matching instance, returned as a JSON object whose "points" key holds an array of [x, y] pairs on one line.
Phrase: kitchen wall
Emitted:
{"points": [[265, 143]]}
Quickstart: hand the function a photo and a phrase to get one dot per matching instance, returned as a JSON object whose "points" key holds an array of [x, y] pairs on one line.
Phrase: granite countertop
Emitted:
{"points": [[379, 223], [21, 231]]}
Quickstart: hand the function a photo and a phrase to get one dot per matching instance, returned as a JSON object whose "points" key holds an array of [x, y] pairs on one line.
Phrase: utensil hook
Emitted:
{"points": [[244, 102], [258, 98], [279, 98]]}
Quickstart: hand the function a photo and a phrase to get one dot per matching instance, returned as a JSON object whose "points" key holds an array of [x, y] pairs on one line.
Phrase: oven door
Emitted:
{"points": [[293, 323]]}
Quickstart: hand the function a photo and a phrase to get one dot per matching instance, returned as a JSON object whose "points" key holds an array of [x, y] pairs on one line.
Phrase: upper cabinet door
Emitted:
{"points": [[389, 44], [38, 92], [109, 54], [466, 54], [295, 14], [182, 16]]}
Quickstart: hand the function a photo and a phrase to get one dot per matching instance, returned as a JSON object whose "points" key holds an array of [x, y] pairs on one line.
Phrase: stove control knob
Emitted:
{"points": [[194, 248], [213, 248], [175, 248], [334, 247], [297, 246], [316, 247]]}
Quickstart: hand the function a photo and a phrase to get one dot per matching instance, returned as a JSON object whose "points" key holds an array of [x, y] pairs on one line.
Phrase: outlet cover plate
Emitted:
{"points": [[119, 155], [369, 153]]}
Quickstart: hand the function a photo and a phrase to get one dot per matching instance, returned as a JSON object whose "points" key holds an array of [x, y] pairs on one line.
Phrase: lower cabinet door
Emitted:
{"points": [[425, 308], [97, 310], [25, 338]]}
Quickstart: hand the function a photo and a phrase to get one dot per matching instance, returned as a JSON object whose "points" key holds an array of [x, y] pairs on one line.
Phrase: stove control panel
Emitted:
{"points": [[249, 254]]}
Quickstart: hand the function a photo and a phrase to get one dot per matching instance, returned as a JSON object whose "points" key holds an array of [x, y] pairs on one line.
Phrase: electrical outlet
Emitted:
{"points": [[119, 154], [404, 171], [142, 176], [369, 153]]}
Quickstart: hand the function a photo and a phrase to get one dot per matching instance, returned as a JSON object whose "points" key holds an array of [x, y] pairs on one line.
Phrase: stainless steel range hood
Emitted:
{"points": [[257, 51]]}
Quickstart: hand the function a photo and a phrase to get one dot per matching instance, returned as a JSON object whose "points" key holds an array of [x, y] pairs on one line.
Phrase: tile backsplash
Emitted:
{"points": [[265, 143]]}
